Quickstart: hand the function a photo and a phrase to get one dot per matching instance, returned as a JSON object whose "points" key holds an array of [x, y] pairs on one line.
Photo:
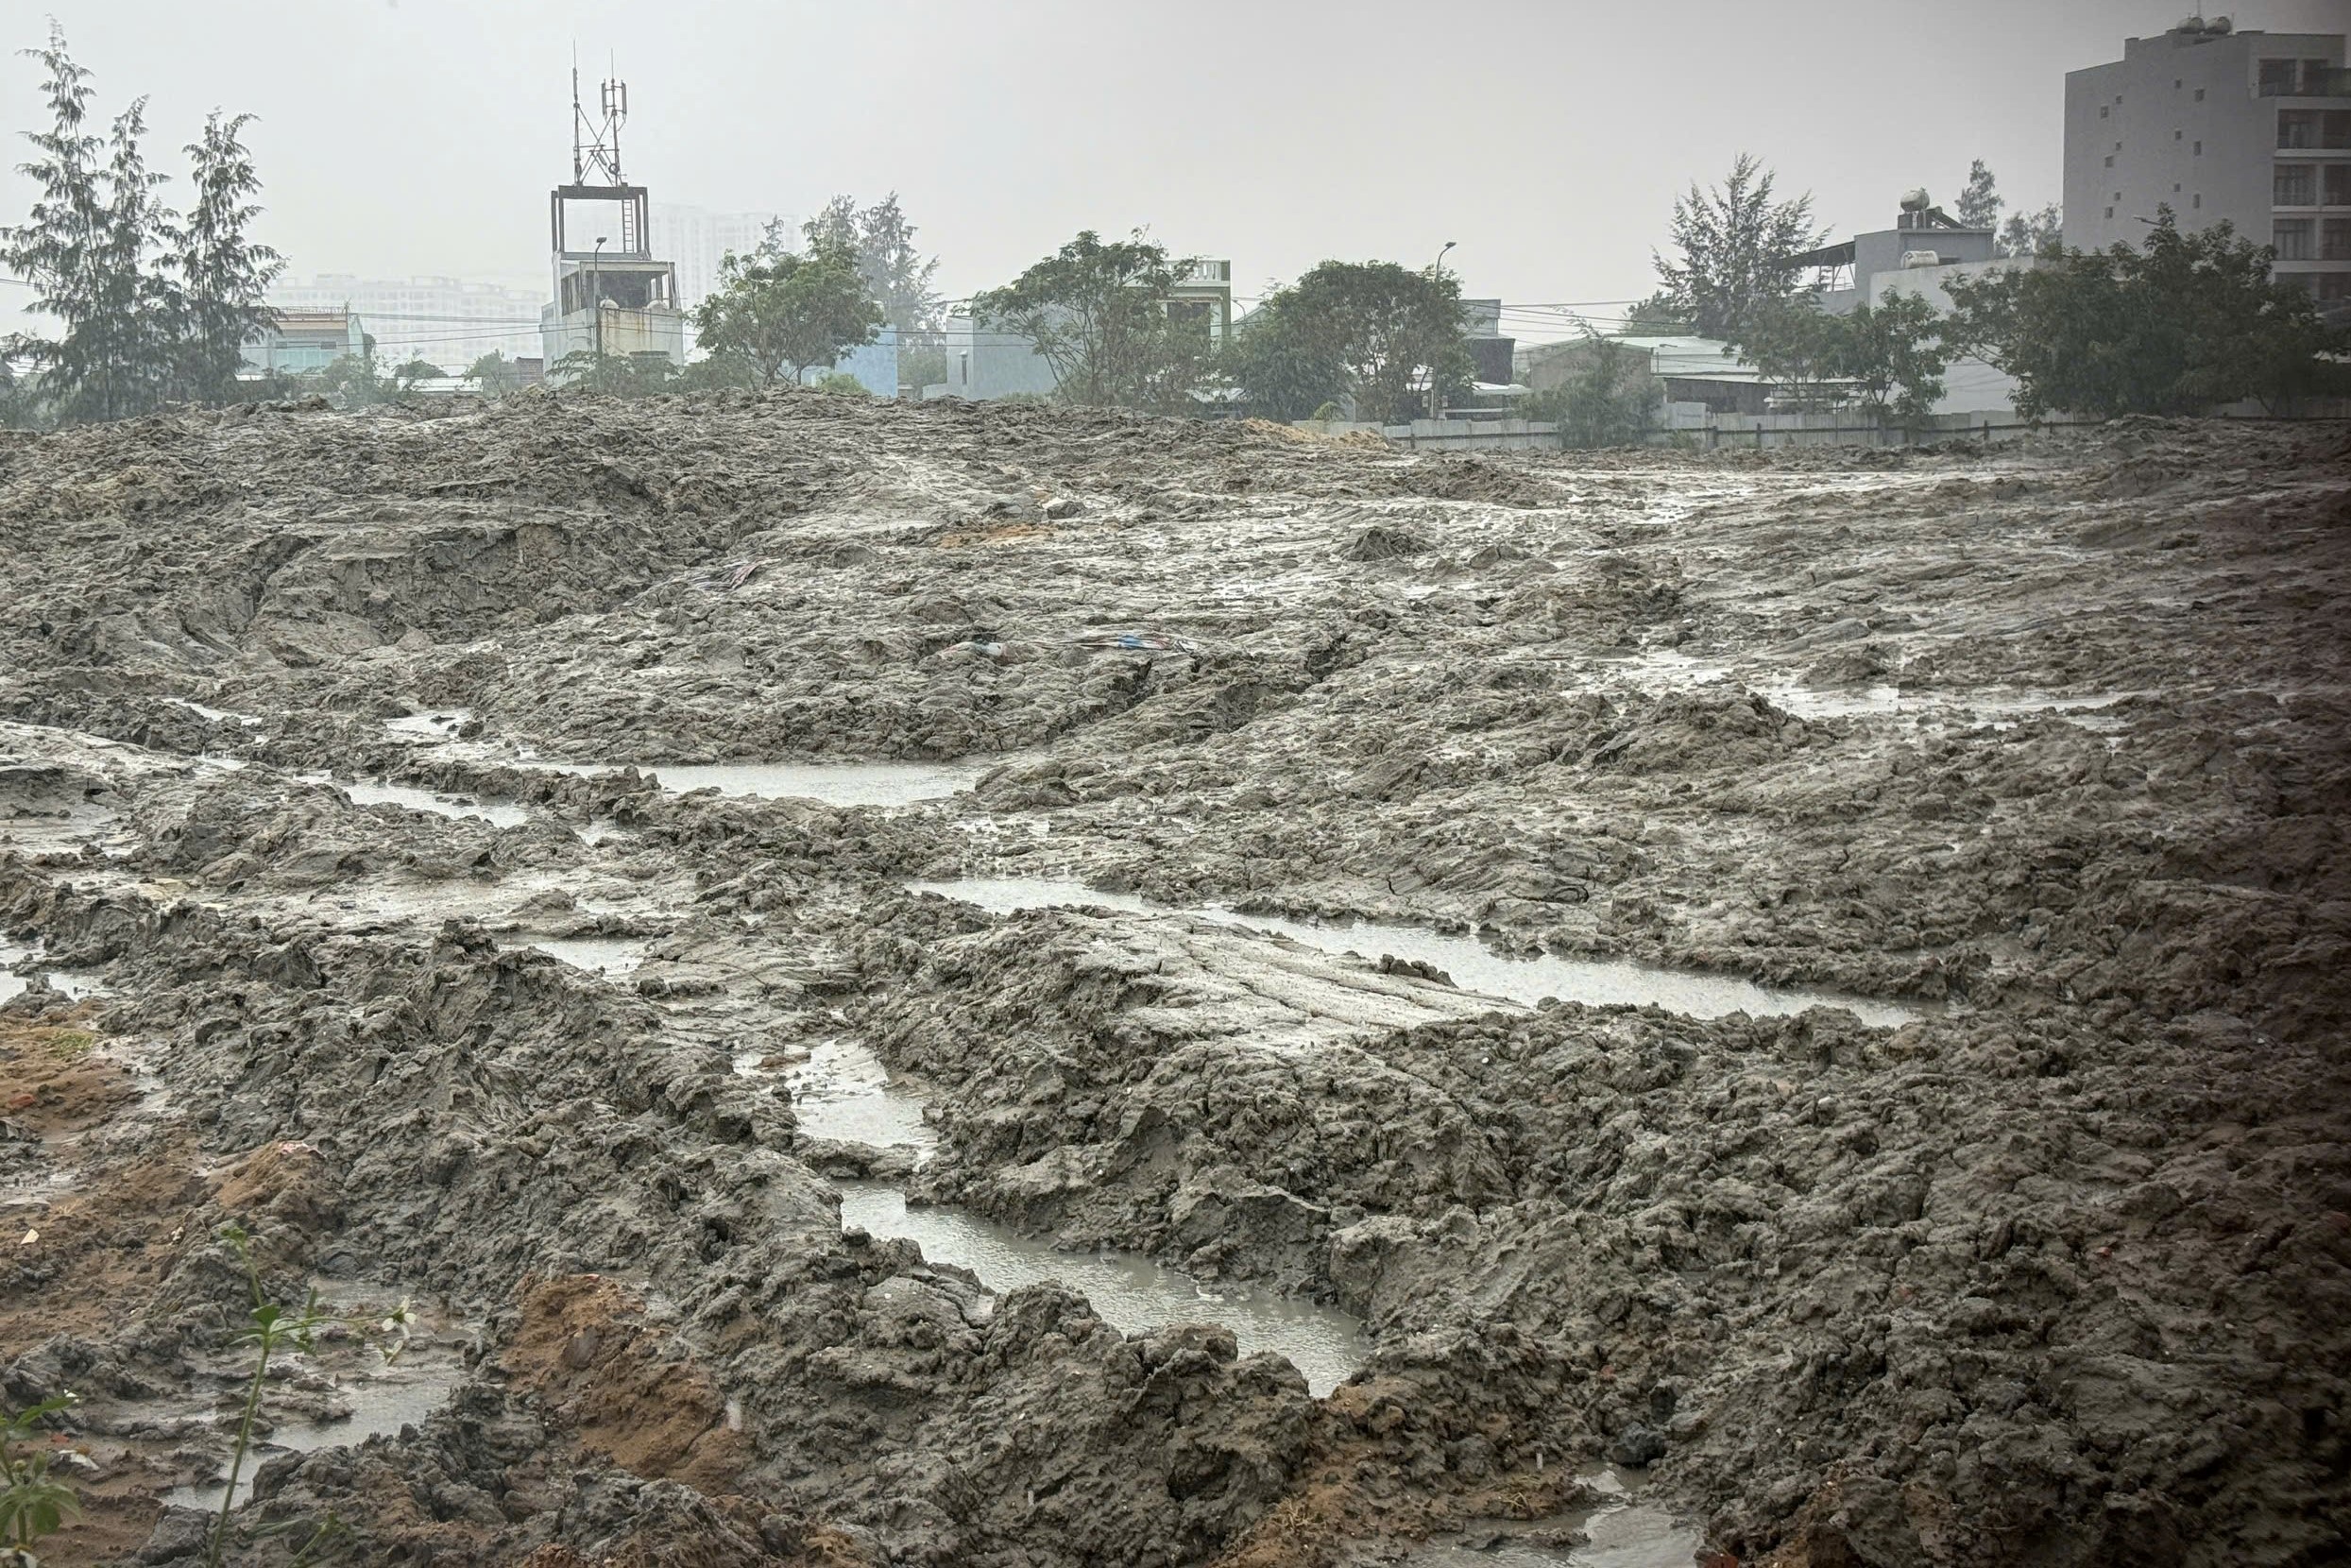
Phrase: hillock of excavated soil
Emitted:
{"points": [[953, 985]]}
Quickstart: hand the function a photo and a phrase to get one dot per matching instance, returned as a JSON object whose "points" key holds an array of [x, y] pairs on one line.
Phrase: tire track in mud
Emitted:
{"points": [[2057, 1266]]}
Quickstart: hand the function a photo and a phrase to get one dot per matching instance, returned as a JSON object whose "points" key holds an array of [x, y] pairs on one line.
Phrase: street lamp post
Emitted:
{"points": [[596, 304], [1436, 269]]}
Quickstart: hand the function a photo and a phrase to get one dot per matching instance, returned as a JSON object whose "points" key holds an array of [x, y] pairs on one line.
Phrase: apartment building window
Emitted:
{"points": [[2297, 128], [2292, 236], [2175, 136], [2278, 77], [2339, 184], [2200, 149], [2334, 240], [2109, 211], [2296, 185], [2197, 201], [2102, 111], [2327, 287], [2335, 128], [2110, 161]]}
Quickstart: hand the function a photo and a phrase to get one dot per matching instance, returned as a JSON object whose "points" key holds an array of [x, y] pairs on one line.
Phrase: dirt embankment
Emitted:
{"points": [[2046, 744]]}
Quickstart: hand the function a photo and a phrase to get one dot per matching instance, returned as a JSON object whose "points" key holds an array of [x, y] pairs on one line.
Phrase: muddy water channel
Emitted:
{"points": [[1468, 962], [830, 783], [1133, 1296], [843, 1093]]}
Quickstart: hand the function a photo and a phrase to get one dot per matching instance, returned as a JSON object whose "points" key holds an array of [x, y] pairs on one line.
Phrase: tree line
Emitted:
{"points": [[155, 306], [2183, 323]]}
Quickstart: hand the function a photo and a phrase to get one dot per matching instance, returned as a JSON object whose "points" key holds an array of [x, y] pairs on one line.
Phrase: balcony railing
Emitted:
{"points": [[2325, 81]]}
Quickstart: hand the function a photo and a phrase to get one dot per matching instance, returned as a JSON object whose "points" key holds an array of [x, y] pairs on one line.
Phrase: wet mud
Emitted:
{"points": [[818, 983]]}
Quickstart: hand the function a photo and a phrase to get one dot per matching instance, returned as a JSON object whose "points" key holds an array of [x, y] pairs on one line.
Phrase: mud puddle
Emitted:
{"points": [[1469, 963], [1620, 1536], [609, 955], [218, 715], [441, 724], [1662, 670], [1133, 1295], [842, 1092], [828, 783], [381, 1404], [415, 799], [1619, 1531]]}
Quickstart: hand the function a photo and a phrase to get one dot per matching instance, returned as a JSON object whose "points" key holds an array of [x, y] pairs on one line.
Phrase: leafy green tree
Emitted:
{"points": [[2024, 233], [841, 384], [1735, 243], [1980, 202], [1096, 312], [1657, 316], [2032, 233], [2188, 322], [1284, 363], [224, 275], [627, 375], [1608, 400], [495, 374], [1374, 331], [775, 315], [897, 275], [1801, 349], [1894, 356]]}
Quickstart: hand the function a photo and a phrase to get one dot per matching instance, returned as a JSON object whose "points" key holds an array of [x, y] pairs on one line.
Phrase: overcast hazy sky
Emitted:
{"points": [[420, 136]]}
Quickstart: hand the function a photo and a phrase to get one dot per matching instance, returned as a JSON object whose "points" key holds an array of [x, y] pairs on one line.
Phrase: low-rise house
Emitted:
{"points": [[301, 341], [986, 361]]}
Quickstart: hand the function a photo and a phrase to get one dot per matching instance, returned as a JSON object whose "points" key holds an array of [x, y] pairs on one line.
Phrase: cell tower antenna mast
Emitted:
{"points": [[596, 139]]}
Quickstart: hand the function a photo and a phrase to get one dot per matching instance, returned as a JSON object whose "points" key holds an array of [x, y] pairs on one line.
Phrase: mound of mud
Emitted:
{"points": [[454, 849]]}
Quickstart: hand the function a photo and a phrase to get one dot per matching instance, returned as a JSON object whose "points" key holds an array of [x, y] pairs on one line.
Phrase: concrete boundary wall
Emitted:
{"points": [[1760, 431], [1446, 435]]}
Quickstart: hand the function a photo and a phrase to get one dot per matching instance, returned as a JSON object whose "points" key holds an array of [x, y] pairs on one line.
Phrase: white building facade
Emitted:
{"points": [[446, 321], [2214, 123], [696, 240]]}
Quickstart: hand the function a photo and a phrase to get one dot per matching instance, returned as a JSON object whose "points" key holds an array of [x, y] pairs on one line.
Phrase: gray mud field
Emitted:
{"points": [[962, 985]]}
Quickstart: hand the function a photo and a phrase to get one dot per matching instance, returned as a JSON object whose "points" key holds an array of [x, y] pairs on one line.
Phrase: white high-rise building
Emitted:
{"points": [[698, 239], [2216, 122], [446, 321]]}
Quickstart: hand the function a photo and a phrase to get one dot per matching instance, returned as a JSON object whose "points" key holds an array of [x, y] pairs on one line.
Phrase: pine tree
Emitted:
{"points": [[1735, 243], [57, 249], [148, 311], [141, 318], [223, 273], [1979, 204]]}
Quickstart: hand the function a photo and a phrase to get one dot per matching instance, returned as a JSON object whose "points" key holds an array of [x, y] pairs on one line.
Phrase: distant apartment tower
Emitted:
{"points": [[446, 321], [2249, 127], [696, 241], [614, 297]]}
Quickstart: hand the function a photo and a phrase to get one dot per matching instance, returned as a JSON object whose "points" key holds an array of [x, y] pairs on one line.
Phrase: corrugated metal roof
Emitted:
{"points": [[1697, 358]]}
